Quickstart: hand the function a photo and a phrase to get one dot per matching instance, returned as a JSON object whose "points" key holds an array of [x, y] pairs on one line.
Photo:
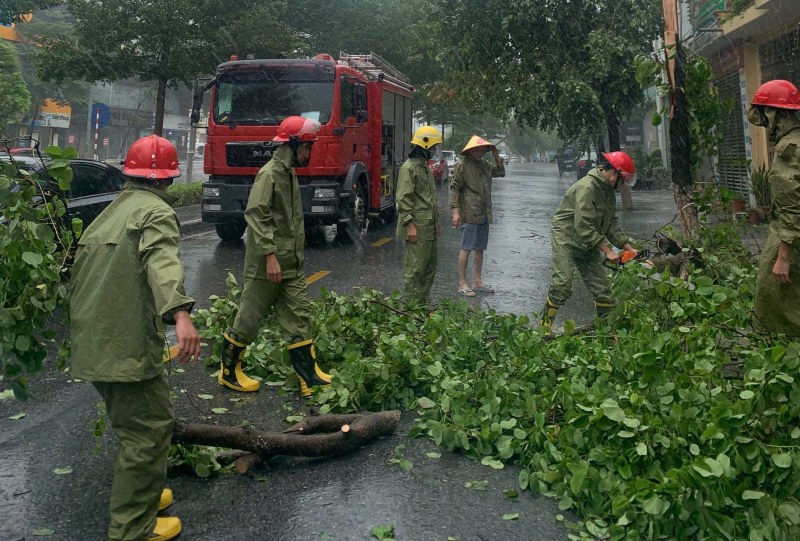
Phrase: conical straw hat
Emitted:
{"points": [[476, 142]]}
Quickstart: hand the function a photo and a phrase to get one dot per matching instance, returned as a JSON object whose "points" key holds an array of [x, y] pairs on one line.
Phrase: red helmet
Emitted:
{"points": [[300, 129], [152, 157], [778, 93], [624, 164]]}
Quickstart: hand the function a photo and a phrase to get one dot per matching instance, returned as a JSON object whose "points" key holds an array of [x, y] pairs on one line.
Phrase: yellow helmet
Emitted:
{"points": [[426, 137]]}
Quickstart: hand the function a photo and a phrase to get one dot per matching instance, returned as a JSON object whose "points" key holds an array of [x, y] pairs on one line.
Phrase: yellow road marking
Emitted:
{"points": [[172, 352], [316, 276], [382, 241]]}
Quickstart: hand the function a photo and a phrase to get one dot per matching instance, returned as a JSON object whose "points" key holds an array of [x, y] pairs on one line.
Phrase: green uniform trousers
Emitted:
{"points": [[289, 299], [590, 265], [777, 305], [141, 416], [419, 266]]}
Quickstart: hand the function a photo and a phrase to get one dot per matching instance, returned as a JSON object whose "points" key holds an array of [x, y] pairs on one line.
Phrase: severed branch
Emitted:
{"points": [[325, 435]]}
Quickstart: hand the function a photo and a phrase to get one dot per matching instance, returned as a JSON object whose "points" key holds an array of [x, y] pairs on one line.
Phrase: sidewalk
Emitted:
{"points": [[191, 223]]}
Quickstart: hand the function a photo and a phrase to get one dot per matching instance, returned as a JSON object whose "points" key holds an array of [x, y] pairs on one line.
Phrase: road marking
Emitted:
{"points": [[172, 352], [316, 276], [382, 241]]}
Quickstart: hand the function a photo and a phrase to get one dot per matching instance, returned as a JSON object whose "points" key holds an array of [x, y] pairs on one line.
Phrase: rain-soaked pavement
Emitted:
{"points": [[303, 499]]}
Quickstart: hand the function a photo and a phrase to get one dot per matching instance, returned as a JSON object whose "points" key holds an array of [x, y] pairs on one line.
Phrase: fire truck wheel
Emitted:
{"points": [[231, 231]]}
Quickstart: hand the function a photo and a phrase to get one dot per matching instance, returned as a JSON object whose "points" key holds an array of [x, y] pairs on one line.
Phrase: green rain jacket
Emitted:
{"points": [[587, 215], [416, 199], [274, 218], [471, 189], [127, 283], [777, 306]]}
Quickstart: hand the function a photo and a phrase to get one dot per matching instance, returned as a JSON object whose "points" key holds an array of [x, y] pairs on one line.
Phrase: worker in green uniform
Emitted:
{"points": [[418, 216], [586, 217], [273, 265], [127, 285], [471, 201], [776, 107]]}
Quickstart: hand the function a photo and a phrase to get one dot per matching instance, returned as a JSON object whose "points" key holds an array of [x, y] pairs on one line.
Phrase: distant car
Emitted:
{"points": [[23, 162], [504, 156], [438, 171], [24, 151], [450, 158], [94, 186], [565, 158], [515, 159], [586, 162]]}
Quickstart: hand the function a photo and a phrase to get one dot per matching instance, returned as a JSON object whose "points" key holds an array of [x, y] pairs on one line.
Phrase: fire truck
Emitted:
{"points": [[364, 107]]}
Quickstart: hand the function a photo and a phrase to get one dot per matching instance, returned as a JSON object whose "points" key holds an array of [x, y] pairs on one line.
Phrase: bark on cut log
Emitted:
{"points": [[312, 437]]}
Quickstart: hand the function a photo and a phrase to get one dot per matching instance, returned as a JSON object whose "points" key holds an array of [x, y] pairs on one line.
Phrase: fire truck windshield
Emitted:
{"points": [[266, 97]]}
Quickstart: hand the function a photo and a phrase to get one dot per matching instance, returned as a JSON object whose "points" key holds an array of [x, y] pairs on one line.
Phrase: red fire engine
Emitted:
{"points": [[364, 107]]}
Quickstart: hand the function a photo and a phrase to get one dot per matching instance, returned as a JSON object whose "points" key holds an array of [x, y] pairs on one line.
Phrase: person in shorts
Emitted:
{"points": [[471, 201]]}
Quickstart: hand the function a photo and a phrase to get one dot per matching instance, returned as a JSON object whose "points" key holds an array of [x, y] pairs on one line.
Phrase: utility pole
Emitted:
{"points": [[190, 150]]}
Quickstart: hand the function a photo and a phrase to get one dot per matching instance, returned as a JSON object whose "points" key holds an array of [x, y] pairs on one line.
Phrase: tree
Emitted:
{"points": [[167, 42], [14, 97], [15, 11]]}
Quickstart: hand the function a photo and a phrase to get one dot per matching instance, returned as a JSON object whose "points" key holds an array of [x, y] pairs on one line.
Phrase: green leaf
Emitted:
{"points": [[746, 395], [62, 471], [655, 506], [205, 396], [752, 495], [579, 472], [219, 410], [426, 403], [524, 479], [42, 532], [383, 533], [434, 455], [32, 258], [511, 494], [782, 460], [511, 516], [612, 410], [791, 511], [406, 464], [795, 432], [8, 393], [641, 449], [17, 416]]}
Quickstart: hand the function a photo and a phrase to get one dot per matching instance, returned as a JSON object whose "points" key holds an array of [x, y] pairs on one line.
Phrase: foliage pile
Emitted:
{"points": [[35, 243], [641, 427]]}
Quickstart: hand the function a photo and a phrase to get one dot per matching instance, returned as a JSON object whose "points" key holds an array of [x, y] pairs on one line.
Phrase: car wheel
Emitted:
{"points": [[231, 231]]}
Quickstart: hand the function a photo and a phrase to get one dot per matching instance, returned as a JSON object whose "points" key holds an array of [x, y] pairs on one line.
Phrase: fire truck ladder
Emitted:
{"points": [[374, 67]]}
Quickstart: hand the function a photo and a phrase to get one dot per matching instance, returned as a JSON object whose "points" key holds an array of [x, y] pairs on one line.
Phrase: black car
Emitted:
{"points": [[94, 186], [565, 158], [586, 162]]}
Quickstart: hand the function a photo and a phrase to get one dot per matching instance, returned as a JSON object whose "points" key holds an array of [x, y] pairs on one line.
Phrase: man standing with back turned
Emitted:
{"points": [[471, 201]]}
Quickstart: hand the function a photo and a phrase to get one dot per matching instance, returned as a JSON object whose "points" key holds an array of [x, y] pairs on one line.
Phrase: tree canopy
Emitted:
{"points": [[14, 96]]}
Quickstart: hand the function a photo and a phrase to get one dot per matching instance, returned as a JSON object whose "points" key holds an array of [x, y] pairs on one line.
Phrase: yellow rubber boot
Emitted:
{"points": [[231, 374], [166, 499], [304, 362], [548, 315], [166, 528]]}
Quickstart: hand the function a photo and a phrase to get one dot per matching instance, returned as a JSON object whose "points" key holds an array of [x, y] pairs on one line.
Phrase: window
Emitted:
{"points": [[353, 98], [92, 180]]}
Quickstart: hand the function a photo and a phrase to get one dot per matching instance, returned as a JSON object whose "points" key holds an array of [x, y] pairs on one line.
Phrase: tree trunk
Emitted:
{"points": [[161, 98], [681, 150], [326, 435], [612, 123]]}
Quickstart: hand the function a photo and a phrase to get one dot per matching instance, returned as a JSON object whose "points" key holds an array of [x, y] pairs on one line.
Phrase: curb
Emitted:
{"points": [[193, 227]]}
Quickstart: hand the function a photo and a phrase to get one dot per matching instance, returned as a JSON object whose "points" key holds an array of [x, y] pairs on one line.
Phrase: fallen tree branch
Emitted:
{"points": [[399, 312], [326, 435]]}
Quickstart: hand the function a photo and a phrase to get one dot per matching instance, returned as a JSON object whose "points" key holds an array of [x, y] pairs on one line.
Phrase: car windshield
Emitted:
{"points": [[266, 97]]}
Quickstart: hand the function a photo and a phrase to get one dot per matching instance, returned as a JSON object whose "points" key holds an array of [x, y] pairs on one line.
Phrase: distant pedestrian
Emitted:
{"points": [[586, 217], [776, 107], [418, 216], [471, 201], [127, 285], [274, 264]]}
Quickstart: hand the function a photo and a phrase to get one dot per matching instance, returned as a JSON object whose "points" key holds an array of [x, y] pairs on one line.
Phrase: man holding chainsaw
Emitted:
{"points": [[586, 217]]}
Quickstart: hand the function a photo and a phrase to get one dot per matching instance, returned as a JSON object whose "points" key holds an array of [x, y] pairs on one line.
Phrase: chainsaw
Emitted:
{"points": [[626, 257]]}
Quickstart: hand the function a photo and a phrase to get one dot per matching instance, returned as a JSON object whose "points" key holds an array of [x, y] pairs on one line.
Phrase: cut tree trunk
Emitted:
{"points": [[687, 213], [325, 435]]}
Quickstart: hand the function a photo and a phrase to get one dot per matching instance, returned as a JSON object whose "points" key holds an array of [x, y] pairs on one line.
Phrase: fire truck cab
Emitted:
{"points": [[364, 107]]}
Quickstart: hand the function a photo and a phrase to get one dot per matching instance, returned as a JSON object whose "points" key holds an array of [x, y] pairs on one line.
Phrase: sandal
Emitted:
{"points": [[467, 292], [483, 289]]}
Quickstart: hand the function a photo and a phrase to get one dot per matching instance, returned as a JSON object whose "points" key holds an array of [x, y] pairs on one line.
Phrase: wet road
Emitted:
{"points": [[299, 499]]}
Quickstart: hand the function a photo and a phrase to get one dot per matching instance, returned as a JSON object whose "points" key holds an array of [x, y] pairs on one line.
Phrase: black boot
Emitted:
{"points": [[603, 309], [304, 362], [230, 369], [548, 315]]}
